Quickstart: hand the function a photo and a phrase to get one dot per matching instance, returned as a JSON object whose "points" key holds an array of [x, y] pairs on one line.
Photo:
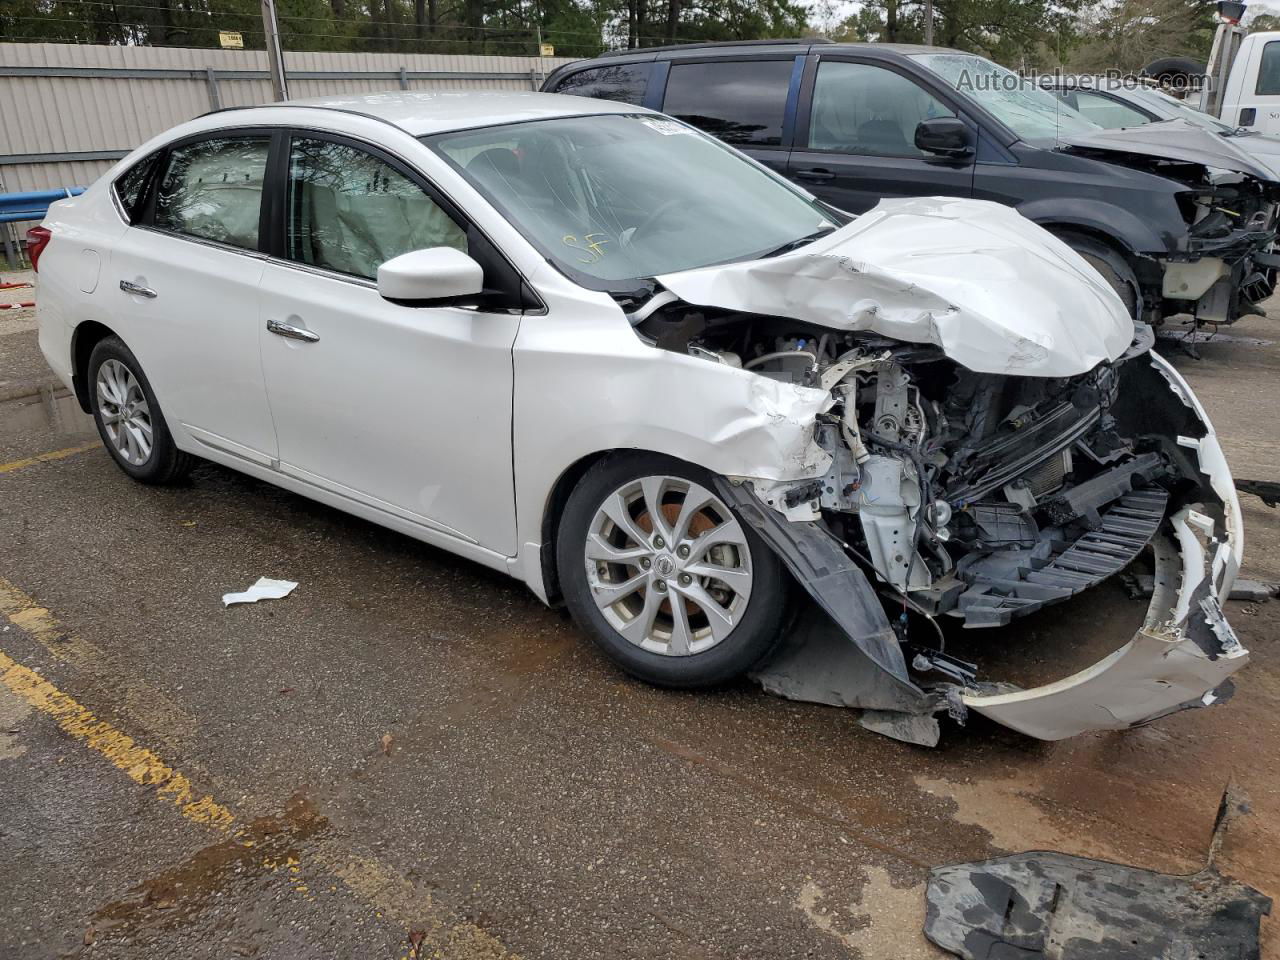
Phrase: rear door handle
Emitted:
{"points": [[137, 290], [282, 329], [815, 174]]}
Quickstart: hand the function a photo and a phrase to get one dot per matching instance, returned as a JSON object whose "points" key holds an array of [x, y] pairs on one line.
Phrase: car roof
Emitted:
{"points": [[422, 112], [757, 47]]}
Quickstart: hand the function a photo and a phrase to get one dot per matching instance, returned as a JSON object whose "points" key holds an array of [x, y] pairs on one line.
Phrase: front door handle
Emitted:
{"points": [[817, 173], [282, 329], [137, 290]]}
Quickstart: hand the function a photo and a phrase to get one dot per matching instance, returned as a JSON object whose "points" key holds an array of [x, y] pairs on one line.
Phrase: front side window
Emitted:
{"points": [[1108, 113], [1029, 111], [865, 109], [1269, 71], [212, 189], [351, 212], [613, 199], [131, 186], [741, 102], [622, 82]]}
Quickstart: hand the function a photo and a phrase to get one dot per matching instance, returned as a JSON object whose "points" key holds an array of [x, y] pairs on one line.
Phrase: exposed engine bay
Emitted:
{"points": [[981, 497]]}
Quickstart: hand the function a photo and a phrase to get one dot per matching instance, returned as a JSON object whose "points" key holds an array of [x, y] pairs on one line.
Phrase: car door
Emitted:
{"points": [[403, 409], [745, 103], [855, 137], [1258, 104], [185, 281]]}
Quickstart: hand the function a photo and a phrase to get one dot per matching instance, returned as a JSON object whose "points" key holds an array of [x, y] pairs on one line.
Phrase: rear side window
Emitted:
{"points": [[212, 190], [623, 82], [741, 102], [131, 187], [1269, 71], [351, 212]]}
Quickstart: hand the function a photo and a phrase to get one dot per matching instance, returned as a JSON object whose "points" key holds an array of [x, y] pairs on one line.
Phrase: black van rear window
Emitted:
{"points": [[623, 82]]}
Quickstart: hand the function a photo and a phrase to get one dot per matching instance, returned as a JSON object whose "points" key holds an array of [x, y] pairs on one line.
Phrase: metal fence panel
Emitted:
{"points": [[87, 103]]}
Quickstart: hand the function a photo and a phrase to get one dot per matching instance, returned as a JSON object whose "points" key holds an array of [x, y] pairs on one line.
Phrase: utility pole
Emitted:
{"points": [[275, 55], [928, 22]]}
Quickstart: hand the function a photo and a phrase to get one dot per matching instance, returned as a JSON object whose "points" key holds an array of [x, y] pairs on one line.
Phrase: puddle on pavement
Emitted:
{"points": [[264, 851], [58, 413]]}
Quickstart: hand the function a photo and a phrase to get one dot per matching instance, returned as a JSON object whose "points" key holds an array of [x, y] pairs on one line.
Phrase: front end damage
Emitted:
{"points": [[1225, 263], [971, 496]]}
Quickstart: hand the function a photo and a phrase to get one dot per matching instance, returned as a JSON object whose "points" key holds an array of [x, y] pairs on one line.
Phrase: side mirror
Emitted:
{"points": [[945, 136], [435, 276]]}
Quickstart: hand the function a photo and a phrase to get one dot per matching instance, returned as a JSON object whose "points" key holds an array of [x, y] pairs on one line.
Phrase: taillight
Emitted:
{"points": [[37, 239]]}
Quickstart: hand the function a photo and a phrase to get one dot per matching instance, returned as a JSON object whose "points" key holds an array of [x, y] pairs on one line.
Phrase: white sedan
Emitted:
{"points": [[583, 343]]}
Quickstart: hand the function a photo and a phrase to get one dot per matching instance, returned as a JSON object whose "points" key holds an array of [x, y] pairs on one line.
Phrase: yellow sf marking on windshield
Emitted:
{"points": [[592, 246], [46, 457]]}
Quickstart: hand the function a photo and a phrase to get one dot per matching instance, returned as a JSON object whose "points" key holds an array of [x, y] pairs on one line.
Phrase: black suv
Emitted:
{"points": [[1150, 208]]}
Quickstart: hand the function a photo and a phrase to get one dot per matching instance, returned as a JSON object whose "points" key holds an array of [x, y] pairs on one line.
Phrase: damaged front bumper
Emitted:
{"points": [[1222, 279], [1181, 657]]}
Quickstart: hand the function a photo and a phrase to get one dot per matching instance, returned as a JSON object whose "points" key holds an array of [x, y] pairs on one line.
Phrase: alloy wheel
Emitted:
{"points": [[668, 565], [125, 413]]}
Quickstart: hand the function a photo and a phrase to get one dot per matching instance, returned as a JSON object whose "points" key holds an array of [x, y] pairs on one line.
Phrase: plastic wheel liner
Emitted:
{"points": [[1181, 657]]}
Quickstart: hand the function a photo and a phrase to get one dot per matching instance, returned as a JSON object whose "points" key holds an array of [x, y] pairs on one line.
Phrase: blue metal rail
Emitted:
{"points": [[32, 205]]}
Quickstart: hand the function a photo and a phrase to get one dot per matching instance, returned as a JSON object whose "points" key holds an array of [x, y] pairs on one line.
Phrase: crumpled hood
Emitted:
{"points": [[1177, 140], [996, 292]]}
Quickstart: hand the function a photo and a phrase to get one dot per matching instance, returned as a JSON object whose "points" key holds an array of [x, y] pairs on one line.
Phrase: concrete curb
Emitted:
{"points": [[32, 388]]}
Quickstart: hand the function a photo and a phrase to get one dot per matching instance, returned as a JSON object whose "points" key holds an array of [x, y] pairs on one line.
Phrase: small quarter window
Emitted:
{"points": [[212, 189], [740, 101], [131, 187], [622, 82], [351, 212]]}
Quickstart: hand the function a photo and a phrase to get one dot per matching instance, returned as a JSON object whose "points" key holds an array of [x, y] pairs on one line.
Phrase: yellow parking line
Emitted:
{"points": [[437, 931], [46, 457], [140, 764]]}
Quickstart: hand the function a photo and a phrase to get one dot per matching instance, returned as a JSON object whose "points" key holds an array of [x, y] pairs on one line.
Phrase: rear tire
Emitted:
{"points": [[129, 418], [1111, 265], [693, 600]]}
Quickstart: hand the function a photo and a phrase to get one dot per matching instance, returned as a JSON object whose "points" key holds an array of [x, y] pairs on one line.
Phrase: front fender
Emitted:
{"points": [[1132, 233]]}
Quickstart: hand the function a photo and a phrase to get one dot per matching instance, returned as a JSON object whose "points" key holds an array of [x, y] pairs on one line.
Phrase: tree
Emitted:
{"points": [[1128, 34]]}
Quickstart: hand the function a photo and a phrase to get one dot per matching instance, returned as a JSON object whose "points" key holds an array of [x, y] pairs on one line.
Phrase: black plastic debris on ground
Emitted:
{"points": [[1058, 907]]}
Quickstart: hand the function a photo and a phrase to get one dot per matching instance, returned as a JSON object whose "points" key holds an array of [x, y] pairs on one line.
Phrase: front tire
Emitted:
{"points": [[129, 418], [1111, 265], [668, 581]]}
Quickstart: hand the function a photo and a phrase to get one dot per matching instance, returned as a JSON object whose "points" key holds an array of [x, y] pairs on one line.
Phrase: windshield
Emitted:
{"points": [[1033, 114], [616, 198]]}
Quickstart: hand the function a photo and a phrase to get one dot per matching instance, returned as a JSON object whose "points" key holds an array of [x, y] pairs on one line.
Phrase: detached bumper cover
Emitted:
{"points": [[1184, 653]]}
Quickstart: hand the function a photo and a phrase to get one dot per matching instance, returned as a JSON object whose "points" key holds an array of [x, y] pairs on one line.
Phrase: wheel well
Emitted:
{"points": [[87, 336], [551, 519], [1148, 283]]}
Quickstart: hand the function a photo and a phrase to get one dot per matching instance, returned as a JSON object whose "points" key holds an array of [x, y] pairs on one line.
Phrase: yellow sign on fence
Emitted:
{"points": [[230, 40], [546, 50]]}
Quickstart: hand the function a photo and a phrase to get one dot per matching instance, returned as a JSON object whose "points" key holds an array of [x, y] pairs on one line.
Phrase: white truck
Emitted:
{"points": [[1242, 80]]}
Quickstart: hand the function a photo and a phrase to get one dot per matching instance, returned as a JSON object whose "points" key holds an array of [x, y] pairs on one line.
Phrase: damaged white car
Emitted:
{"points": [[588, 345]]}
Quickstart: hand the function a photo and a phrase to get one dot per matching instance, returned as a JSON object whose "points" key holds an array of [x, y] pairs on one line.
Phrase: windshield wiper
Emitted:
{"points": [[797, 243]]}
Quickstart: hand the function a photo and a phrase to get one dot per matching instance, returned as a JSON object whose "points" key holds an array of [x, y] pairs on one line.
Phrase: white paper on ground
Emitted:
{"points": [[264, 589]]}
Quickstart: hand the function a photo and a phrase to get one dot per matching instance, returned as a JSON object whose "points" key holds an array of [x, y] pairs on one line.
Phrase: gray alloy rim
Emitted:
{"points": [[668, 565], [126, 416]]}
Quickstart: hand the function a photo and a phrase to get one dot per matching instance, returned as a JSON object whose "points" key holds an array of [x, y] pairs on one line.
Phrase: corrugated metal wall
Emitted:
{"points": [[47, 109]]}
